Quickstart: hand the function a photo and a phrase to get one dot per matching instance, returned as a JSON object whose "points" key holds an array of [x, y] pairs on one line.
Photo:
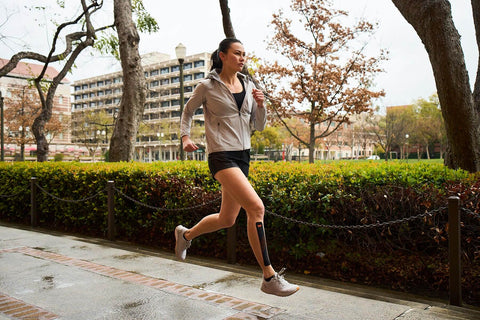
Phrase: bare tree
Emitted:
{"points": [[433, 22], [325, 77], [76, 42]]}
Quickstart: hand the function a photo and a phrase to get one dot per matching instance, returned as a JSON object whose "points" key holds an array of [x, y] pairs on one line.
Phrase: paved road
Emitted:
{"points": [[55, 276]]}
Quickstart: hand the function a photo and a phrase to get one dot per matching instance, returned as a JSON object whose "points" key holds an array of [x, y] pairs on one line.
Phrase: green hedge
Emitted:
{"points": [[408, 256]]}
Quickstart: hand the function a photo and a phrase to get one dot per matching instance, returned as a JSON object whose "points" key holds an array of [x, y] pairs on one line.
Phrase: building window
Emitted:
{"points": [[100, 83], [108, 101], [165, 104], [117, 80], [199, 111], [175, 68], [84, 86], [164, 70], [108, 81], [199, 75], [187, 66], [175, 102], [77, 88], [153, 94], [92, 104], [199, 63], [154, 105], [78, 97], [154, 116], [188, 89], [116, 100], [176, 91], [176, 114], [175, 79], [108, 91], [92, 85], [187, 77], [92, 94], [145, 74], [154, 83], [154, 73], [100, 93], [117, 90], [84, 96], [165, 93], [164, 81]]}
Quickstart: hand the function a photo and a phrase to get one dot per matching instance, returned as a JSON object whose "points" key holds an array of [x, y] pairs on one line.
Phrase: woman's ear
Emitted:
{"points": [[221, 55]]}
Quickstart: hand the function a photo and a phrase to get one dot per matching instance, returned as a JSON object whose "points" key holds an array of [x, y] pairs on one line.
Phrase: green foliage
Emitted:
{"points": [[407, 256], [58, 157], [145, 22], [108, 44]]}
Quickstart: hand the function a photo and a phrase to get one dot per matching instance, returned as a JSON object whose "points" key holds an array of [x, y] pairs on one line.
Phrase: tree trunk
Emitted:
{"points": [[122, 143], [226, 20], [311, 145], [476, 20], [432, 20]]}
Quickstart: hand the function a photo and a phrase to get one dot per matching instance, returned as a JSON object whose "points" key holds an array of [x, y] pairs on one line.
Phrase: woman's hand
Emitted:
{"points": [[258, 96], [188, 144]]}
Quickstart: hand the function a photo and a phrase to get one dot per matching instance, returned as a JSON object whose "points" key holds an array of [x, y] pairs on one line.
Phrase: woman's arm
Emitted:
{"points": [[259, 111], [195, 102]]}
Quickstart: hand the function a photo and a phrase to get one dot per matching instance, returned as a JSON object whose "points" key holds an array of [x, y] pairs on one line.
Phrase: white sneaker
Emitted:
{"points": [[181, 245], [279, 286]]}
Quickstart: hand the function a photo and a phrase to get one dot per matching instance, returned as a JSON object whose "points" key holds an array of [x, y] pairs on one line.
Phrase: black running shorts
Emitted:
{"points": [[229, 159]]}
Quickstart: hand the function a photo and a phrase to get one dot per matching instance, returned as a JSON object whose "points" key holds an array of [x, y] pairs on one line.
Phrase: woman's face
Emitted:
{"points": [[234, 58]]}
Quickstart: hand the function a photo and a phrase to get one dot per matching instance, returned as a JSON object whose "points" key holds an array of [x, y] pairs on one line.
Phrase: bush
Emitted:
{"points": [[408, 255], [58, 157]]}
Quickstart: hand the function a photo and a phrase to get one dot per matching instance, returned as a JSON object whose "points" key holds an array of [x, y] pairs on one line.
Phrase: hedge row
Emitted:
{"points": [[409, 256]]}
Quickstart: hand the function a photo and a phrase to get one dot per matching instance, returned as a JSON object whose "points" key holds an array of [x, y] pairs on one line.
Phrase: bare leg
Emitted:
{"points": [[229, 211], [236, 185]]}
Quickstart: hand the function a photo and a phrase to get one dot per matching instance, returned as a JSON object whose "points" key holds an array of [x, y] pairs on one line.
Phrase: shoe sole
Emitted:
{"points": [[281, 294]]}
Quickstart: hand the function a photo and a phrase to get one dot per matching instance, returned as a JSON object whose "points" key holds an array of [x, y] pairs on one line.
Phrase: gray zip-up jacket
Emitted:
{"points": [[226, 127]]}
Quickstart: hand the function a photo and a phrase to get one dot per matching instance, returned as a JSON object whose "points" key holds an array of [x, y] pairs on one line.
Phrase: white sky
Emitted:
{"points": [[197, 24]]}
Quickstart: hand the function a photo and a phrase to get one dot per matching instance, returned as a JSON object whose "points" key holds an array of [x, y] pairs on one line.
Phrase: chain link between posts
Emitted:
{"points": [[471, 213], [440, 210], [362, 226], [166, 209], [70, 200]]}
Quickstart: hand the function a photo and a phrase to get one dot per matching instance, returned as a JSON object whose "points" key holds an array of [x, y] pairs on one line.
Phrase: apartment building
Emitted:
{"points": [[96, 101], [14, 87]]}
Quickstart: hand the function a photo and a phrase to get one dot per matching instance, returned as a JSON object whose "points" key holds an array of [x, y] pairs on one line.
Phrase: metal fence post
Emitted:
{"points": [[111, 210], [33, 202], [232, 244], [454, 251]]}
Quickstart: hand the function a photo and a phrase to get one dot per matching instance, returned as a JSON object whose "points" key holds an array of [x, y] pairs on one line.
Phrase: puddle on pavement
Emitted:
{"points": [[129, 256], [48, 282]]}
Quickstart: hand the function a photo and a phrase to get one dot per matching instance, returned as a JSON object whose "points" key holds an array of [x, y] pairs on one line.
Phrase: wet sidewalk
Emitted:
{"points": [[47, 275]]}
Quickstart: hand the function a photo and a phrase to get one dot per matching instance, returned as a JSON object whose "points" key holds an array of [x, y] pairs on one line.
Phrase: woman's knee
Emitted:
{"points": [[227, 221], [256, 210]]}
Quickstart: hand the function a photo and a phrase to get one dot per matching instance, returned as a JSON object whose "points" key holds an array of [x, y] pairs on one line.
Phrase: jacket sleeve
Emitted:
{"points": [[195, 102], [259, 117]]}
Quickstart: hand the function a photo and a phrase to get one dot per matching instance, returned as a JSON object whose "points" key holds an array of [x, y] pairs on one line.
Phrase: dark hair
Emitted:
{"points": [[222, 47]]}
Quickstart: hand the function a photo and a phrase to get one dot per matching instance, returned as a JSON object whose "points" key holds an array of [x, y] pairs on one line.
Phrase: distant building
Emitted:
{"points": [[158, 136], [19, 79]]}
